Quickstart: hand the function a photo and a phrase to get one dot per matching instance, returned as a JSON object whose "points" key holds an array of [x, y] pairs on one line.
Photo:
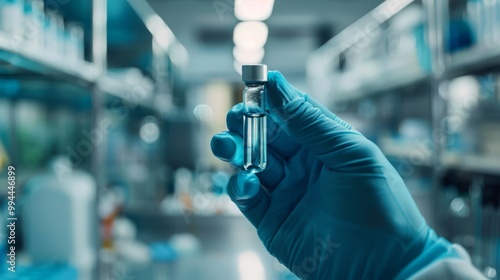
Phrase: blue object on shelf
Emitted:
{"points": [[460, 35], [163, 252], [423, 50]]}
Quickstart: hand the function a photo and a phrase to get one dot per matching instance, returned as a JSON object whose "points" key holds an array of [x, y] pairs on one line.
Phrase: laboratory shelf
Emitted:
{"points": [[19, 59], [472, 163], [407, 152], [15, 60], [473, 60], [132, 94], [376, 77]]}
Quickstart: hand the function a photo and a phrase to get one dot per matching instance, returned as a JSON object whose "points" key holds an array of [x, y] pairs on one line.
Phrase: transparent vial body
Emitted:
{"points": [[254, 128]]}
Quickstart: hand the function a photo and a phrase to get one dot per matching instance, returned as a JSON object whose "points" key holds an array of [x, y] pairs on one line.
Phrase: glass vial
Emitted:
{"points": [[254, 117]]}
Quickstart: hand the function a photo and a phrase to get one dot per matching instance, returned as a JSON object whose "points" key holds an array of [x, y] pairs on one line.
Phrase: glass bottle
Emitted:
{"points": [[254, 117], [33, 25]]}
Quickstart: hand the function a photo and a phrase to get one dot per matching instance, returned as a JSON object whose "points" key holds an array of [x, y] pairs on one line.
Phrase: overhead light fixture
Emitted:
{"points": [[250, 35], [248, 56], [161, 33], [179, 54], [253, 9]]}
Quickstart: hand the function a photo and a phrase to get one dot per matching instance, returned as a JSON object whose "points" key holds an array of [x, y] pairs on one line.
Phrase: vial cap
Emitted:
{"points": [[254, 73]]}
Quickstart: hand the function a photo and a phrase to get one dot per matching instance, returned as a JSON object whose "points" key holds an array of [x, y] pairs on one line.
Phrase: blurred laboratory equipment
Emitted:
{"points": [[11, 16], [149, 131], [109, 208], [185, 244], [75, 42], [431, 71], [34, 26], [57, 217], [254, 118], [54, 28], [125, 243], [52, 102], [202, 194], [471, 218], [485, 195], [483, 16], [41, 32]]}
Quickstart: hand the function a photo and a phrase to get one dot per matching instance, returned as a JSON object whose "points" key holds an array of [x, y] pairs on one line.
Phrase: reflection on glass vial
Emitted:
{"points": [[255, 154], [254, 118]]}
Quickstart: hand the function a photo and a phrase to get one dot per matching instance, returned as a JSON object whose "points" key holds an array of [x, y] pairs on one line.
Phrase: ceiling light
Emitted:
{"points": [[248, 56], [250, 35], [179, 54], [253, 9]]}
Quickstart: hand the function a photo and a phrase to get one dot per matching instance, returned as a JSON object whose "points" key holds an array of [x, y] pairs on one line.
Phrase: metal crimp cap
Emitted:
{"points": [[254, 73]]}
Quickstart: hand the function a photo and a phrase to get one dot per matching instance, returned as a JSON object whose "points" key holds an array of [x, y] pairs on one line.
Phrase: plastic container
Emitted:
{"points": [[11, 18], [54, 27], [74, 43], [58, 218], [33, 25]]}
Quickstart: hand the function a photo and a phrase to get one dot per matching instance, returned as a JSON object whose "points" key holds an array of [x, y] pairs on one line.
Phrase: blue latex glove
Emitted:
{"points": [[329, 205]]}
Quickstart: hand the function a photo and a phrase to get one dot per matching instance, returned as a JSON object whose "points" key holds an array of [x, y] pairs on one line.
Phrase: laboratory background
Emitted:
{"points": [[107, 108]]}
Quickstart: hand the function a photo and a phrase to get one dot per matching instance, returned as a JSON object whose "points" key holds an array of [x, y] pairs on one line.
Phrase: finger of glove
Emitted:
{"points": [[327, 112], [228, 146], [245, 191], [281, 92], [332, 143]]}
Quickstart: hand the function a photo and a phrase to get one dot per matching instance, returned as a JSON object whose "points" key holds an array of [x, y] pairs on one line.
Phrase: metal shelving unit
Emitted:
{"points": [[472, 163], [475, 59], [117, 88], [384, 77], [397, 73], [408, 152], [20, 60], [94, 77], [454, 172]]}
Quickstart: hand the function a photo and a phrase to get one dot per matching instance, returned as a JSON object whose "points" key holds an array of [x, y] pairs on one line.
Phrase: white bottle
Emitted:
{"points": [[58, 218], [11, 18]]}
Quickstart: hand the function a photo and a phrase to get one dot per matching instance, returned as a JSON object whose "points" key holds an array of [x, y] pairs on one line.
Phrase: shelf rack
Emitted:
{"points": [[19, 60], [382, 78], [22, 59], [472, 163], [93, 77], [85, 74], [394, 73], [475, 59], [396, 77], [408, 152], [117, 88]]}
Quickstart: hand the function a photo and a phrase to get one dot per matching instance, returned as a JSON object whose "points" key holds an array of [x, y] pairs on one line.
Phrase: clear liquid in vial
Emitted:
{"points": [[255, 142]]}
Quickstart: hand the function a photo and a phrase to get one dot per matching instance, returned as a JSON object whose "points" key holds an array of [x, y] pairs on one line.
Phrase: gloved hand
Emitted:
{"points": [[329, 205]]}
